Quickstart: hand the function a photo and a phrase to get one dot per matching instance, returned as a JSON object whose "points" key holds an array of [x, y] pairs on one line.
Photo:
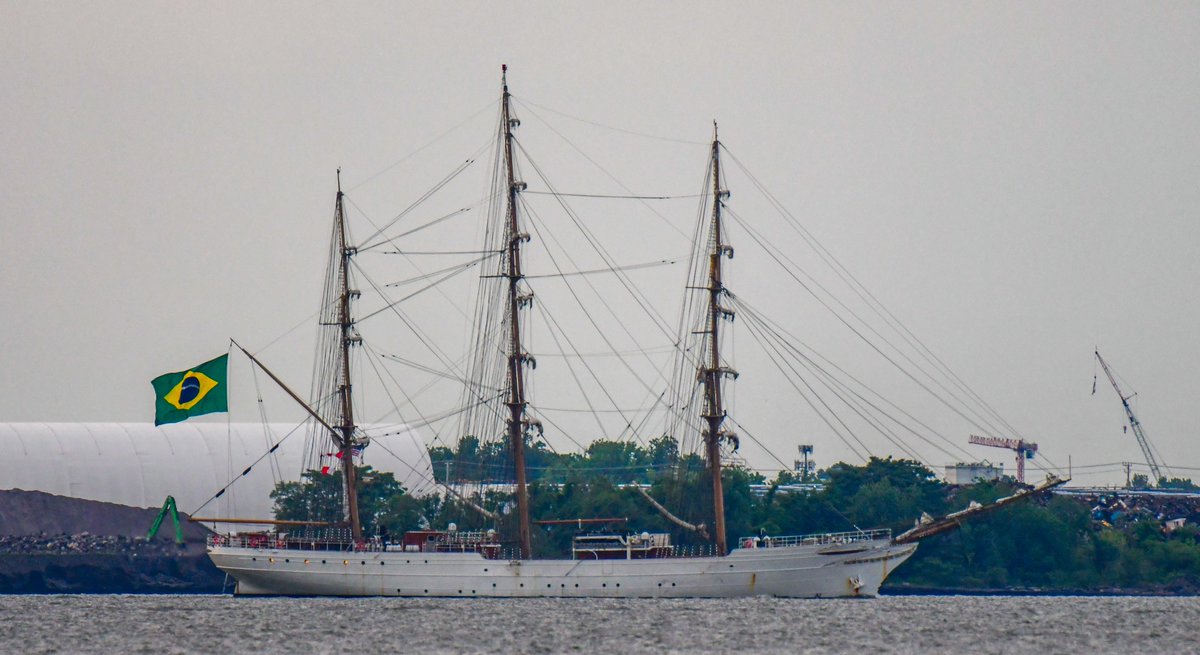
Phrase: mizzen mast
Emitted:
{"points": [[711, 370], [345, 422], [516, 355]]}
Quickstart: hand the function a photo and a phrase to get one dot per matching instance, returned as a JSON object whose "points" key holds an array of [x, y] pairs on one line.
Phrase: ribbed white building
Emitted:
{"points": [[139, 464]]}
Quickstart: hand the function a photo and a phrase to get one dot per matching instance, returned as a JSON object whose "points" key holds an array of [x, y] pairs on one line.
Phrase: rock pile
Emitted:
{"points": [[88, 543], [39, 513], [53, 544]]}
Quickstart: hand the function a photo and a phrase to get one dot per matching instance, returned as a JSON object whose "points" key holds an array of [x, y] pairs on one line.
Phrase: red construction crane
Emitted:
{"points": [[1025, 450]]}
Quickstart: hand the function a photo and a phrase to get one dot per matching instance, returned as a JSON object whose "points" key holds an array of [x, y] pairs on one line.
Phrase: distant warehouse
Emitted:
{"points": [[972, 472], [138, 464]]}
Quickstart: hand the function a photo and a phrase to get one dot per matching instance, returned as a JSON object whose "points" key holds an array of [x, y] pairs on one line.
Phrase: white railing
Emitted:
{"points": [[830, 538], [289, 542], [273, 542]]}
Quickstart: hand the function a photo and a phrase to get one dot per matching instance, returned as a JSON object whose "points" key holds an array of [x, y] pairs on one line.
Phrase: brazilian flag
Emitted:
{"points": [[198, 390]]}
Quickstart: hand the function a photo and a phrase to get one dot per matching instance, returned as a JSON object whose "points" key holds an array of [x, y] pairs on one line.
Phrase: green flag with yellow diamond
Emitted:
{"points": [[198, 390]]}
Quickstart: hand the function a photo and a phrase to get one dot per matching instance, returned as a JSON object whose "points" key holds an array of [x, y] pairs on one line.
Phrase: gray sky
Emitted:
{"points": [[1017, 182]]}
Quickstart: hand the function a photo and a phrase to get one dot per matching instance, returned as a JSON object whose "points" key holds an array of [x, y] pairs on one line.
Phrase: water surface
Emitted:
{"points": [[906, 624]]}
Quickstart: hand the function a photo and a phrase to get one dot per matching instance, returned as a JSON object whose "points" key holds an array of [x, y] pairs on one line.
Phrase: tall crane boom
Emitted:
{"points": [[1133, 421], [1024, 449]]}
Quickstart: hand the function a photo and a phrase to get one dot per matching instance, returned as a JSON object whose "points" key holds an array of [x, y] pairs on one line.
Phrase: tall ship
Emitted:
{"points": [[497, 554]]}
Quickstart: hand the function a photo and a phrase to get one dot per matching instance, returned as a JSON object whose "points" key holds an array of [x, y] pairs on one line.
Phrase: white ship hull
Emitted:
{"points": [[799, 571]]}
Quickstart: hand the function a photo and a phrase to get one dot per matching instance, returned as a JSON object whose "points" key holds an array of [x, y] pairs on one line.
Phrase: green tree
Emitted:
{"points": [[382, 500]]}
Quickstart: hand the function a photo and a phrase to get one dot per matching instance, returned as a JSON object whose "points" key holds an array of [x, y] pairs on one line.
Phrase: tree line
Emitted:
{"points": [[1051, 543]]}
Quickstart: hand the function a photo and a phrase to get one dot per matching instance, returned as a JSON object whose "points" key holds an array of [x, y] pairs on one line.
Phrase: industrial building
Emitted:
{"points": [[972, 472], [138, 464]]}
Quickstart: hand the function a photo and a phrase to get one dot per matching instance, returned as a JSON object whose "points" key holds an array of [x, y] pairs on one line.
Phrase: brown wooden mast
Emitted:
{"points": [[711, 371], [345, 423], [516, 355]]}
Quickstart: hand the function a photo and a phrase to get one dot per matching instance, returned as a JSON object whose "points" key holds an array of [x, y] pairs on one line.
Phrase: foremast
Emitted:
{"points": [[515, 353], [711, 371], [345, 419]]}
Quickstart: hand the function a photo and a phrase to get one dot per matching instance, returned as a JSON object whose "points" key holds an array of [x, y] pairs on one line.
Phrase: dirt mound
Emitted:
{"points": [[36, 513]]}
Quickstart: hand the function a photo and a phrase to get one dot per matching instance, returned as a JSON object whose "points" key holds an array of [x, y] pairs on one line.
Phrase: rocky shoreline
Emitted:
{"points": [[109, 573], [40, 553]]}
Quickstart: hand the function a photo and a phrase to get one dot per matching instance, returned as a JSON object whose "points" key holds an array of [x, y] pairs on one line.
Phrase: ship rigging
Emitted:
{"points": [[494, 377]]}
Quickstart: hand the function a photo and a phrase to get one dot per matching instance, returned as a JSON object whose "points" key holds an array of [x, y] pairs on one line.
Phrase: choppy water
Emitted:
{"points": [[215, 624]]}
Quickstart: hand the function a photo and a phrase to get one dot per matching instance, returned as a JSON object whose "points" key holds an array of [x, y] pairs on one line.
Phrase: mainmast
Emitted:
{"points": [[711, 371], [516, 300], [345, 423]]}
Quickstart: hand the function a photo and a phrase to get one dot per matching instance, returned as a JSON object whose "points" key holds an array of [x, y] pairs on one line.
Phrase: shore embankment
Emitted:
{"points": [[54, 544], [1180, 590]]}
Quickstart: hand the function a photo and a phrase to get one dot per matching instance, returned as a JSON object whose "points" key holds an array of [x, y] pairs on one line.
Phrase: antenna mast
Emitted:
{"points": [[1133, 422], [345, 421], [517, 357], [711, 371]]}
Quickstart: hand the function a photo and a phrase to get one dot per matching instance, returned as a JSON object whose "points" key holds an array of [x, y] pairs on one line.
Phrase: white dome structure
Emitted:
{"points": [[138, 464]]}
